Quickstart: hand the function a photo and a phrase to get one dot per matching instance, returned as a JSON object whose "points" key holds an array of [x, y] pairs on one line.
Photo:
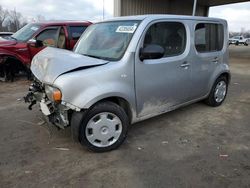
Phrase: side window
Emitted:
{"points": [[169, 35], [209, 37], [48, 37], [76, 31]]}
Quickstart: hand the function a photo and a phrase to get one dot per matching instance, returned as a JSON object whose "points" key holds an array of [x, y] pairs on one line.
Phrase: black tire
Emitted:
{"points": [[5, 76], [237, 43], [246, 44], [210, 100], [80, 120]]}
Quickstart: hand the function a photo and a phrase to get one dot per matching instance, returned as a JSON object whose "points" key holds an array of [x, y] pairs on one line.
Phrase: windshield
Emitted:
{"points": [[26, 32], [108, 40]]}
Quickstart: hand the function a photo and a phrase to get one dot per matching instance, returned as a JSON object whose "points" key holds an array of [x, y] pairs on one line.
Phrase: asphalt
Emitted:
{"points": [[195, 146]]}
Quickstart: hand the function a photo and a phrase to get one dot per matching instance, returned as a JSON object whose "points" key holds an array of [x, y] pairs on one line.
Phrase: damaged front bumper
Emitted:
{"points": [[57, 113]]}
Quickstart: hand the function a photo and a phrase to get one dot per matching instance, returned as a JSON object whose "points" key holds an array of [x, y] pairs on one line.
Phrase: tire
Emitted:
{"points": [[5, 76], [246, 44], [237, 43], [101, 128], [213, 99]]}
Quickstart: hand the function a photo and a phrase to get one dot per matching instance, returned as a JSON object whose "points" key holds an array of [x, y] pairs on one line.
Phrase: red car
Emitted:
{"points": [[17, 51]]}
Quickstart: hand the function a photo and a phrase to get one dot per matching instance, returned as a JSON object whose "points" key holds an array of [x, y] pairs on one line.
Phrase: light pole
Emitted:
{"points": [[102, 9], [194, 7]]}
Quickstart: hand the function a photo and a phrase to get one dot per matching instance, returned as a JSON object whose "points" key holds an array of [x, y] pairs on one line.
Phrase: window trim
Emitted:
{"points": [[169, 58], [208, 22]]}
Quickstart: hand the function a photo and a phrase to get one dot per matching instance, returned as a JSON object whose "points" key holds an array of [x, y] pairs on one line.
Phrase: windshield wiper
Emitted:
{"points": [[98, 57], [13, 38]]}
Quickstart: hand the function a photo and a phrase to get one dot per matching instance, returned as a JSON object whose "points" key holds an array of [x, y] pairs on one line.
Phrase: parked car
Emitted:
{"points": [[237, 40], [128, 69], [5, 34], [20, 47]]}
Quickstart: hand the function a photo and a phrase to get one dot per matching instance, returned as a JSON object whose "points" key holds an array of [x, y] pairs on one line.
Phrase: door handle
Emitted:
{"points": [[215, 60], [185, 65]]}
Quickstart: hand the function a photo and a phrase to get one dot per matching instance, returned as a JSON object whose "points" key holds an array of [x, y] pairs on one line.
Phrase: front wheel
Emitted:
{"points": [[103, 127], [218, 93]]}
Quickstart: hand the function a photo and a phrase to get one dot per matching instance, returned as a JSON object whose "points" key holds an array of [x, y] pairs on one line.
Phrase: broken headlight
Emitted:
{"points": [[54, 94]]}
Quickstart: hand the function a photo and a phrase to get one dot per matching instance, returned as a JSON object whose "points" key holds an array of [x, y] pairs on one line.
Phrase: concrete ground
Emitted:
{"points": [[195, 146]]}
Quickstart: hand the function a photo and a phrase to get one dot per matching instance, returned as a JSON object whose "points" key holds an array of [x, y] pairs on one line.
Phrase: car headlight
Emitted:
{"points": [[53, 93]]}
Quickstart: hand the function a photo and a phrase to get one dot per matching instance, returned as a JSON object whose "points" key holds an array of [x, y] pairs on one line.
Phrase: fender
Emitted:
{"points": [[84, 88], [22, 59], [92, 95], [224, 68]]}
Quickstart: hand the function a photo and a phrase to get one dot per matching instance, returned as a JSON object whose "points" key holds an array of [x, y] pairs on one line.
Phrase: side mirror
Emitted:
{"points": [[35, 43], [152, 51]]}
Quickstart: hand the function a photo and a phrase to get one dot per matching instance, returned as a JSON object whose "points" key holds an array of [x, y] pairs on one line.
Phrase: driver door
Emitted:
{"points": [[47, 37], [163, 83]]}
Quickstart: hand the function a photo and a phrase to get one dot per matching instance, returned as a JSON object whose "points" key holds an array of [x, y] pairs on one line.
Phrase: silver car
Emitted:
{"points": [[129, 69]]}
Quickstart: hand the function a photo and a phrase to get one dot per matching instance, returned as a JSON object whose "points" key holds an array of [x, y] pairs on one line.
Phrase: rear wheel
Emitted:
{"points": [[218, 93], [103, 127]]}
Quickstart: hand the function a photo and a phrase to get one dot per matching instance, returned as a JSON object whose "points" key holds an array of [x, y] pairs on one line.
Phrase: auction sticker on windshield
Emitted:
{"points": [[126, 29], [34, 28]]}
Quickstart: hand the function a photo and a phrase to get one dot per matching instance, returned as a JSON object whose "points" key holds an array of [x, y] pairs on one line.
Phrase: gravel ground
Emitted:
{"points": [[195, 146]]}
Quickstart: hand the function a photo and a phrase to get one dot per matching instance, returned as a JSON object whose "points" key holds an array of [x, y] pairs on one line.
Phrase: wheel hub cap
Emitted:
{"points": [[220, 91], [104, 129]]}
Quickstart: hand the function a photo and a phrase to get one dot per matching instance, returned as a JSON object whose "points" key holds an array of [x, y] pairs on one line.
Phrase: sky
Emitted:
{"points": [[237, 15], [91, 10]]}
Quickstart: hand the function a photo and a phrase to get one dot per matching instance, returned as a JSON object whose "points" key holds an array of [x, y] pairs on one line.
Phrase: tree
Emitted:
{"points": [[3, 16], [15, 18], [40, 17]]}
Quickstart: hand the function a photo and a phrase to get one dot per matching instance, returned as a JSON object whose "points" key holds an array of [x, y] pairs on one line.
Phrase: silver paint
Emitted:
{"points": [[150, 87]]}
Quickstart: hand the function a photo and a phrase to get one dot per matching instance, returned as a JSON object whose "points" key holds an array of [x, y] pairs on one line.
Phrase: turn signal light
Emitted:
{"points": [[57, 95]]}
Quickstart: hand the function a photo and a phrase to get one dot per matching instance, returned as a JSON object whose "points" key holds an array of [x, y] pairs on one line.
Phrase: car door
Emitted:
{"points": [[163, 83], [47, 37], [208, 44]]}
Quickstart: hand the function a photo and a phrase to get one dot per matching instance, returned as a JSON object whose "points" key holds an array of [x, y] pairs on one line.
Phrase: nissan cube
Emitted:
{"points": [[129, 69]]}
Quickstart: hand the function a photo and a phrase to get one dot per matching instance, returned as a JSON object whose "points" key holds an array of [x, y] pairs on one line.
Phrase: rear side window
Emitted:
{"points": [[169, 35], [209, 37], [76, 31]]}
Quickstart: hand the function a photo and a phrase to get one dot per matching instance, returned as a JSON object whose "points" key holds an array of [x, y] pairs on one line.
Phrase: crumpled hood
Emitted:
{"points": [[50, 63]]}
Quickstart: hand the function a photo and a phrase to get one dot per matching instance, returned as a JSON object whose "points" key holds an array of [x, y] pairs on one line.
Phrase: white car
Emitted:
{"points": [[238, 40]]}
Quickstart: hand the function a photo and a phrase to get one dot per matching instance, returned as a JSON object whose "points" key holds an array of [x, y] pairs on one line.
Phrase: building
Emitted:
{"points": [[182, 7]]}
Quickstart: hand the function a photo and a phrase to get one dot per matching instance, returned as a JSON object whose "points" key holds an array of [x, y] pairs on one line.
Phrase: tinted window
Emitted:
{"points": [[169, 35], [76, 31], [48, 37], [209, 37]]}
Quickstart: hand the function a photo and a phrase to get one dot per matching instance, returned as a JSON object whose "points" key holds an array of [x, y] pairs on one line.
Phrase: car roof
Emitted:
{"points": [[63, 22], [165, 16]]}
